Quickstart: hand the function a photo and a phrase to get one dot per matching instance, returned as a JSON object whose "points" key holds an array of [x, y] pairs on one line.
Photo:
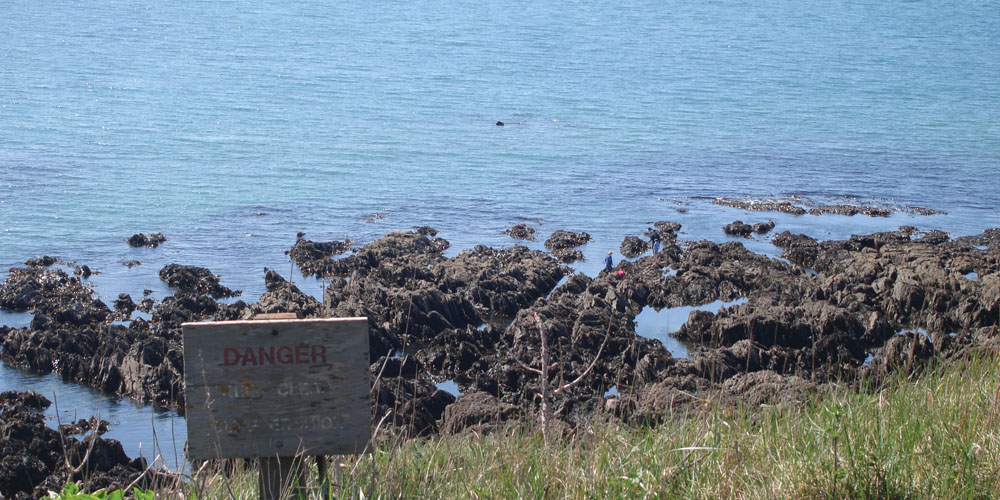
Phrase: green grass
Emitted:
{"points": [[936, 436]]}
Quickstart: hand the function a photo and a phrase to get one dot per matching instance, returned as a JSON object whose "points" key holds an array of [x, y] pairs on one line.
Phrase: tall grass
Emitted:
{"points": [[935, 436]]}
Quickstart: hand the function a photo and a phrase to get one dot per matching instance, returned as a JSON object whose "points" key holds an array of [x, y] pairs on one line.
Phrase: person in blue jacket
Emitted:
{"points": [[608, 264]]}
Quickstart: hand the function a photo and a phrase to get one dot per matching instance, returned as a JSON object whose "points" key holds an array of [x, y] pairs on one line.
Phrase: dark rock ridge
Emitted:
{"points": [[153, 240], [561, 240], [521, 232], [811, 318], [797, 206], [36, 459], [738, 228], [313, 257], [632, 246], [193, 279], [43, 261], [561, 243], [763, 227]]}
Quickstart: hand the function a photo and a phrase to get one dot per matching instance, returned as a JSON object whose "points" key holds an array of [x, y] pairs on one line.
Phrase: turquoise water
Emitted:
{"points": [[191, 118], [230, 126]]}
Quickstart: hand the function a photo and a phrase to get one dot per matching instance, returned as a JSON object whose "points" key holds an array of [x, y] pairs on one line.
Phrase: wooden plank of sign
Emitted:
{"points": [[277, 387]]}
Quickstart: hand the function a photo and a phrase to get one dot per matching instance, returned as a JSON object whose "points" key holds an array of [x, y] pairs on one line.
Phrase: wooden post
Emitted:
{"points": [[278, 475], [323, 479]]}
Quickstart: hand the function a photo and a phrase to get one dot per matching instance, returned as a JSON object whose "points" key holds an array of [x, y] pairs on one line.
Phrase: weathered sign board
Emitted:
{"points": [[276, 387]]}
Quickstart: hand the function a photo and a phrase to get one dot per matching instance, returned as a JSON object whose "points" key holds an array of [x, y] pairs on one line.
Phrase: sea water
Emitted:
{"points": [[231, 126]]}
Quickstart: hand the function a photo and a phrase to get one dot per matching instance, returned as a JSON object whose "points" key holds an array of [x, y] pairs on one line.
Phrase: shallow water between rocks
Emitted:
{"points": [[659, 325], [155, 434]]}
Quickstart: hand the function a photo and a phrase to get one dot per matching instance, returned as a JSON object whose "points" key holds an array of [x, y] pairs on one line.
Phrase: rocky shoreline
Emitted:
{"points": [[37, 459], [826, 311]]}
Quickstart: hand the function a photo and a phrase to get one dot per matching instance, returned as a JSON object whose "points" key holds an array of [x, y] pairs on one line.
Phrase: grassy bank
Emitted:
{"points": [[932, 436]]}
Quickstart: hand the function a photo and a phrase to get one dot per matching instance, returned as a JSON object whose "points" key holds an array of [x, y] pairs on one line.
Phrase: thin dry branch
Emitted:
{"points": [[589, 368]]}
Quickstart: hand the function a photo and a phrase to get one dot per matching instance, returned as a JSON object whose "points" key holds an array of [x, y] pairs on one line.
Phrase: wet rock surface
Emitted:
{"points": [[43, 261], [800, 205], [194, 279], [562, 240], [828, 311], [521, 232], [632, 246], [35, 458], [313, 257], [763, 227], [152, 240], [738, 228], [562, 244], [846, 209], [762, 205]]}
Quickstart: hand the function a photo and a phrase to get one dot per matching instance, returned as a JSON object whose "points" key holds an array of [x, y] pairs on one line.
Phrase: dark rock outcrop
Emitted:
{"points": [[314, 258], [763, 227], [562, 240], [479, 412], [521, 232], [632, 246], [153, 240], [35, 458], [194, 279], [738, 228], [480, 318]]}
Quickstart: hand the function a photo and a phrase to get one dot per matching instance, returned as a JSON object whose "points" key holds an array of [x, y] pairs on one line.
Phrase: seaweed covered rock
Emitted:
{"points": [[31, 287], [314, 257], [755, 389], [479, 412], [283, 296], [763, 227], [738, 228], [562, 240], [194, 279], [152, 240], [521, 232], [34, 457], [632, 246], [43, 261], [412, 407]]}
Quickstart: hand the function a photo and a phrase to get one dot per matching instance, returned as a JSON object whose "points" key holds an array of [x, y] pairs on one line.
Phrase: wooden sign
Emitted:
{"points": [[276, 387]]}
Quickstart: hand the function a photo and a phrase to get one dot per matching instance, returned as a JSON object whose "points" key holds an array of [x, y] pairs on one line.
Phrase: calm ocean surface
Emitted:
{"points": [[231, 125]]}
